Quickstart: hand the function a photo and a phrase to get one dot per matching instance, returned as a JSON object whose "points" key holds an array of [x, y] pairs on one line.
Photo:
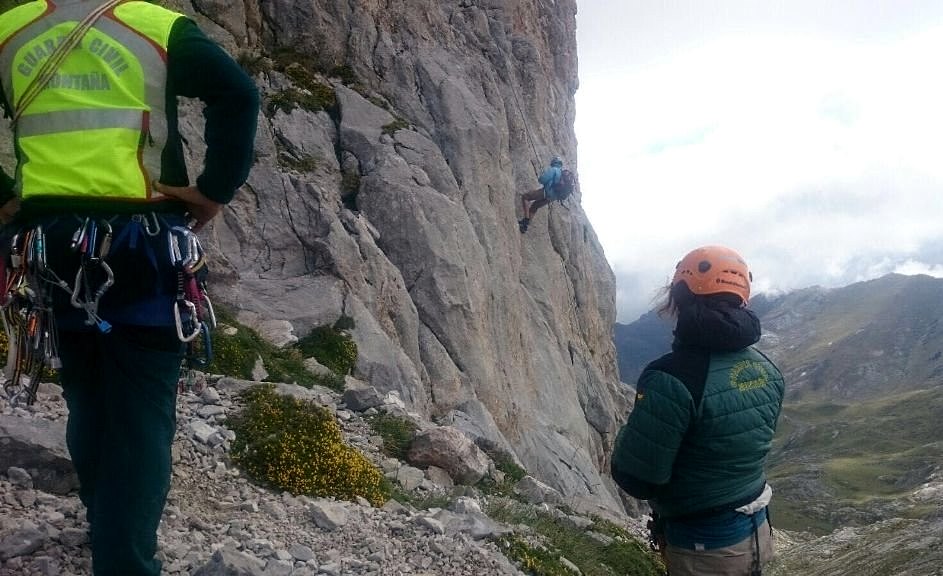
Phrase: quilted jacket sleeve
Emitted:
{"points": [[646, 447]]}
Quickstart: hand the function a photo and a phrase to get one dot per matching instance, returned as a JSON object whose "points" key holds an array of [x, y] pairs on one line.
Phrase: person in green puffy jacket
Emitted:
{"points": [[695, 444]]}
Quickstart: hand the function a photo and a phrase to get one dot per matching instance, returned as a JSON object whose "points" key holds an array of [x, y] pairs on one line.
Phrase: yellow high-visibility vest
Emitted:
{"points": [[98, 128]]}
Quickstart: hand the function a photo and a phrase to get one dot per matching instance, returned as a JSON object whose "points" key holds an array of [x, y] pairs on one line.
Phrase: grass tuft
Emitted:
{"points": [[236, 354], [397, 433], [539, 554], [332, 348]]}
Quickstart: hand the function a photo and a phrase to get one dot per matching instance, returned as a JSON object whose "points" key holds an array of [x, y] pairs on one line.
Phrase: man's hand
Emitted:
{"points": [[200, 208]]}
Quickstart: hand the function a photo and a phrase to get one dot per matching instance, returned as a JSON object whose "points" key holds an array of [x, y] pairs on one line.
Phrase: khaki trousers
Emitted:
{"points": [[735, 560]]}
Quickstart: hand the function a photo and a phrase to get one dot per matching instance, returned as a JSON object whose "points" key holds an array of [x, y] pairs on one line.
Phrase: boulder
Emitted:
{"points": [[447, 448]]}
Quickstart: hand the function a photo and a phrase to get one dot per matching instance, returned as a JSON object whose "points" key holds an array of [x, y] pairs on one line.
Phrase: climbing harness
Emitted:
{"points": [[26, 303]]}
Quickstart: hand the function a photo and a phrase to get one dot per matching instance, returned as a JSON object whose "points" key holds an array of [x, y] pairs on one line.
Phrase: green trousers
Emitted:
{"points": [[121, 391]]}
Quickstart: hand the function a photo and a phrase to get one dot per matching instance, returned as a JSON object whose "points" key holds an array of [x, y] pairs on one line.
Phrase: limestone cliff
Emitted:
{"points": [[394, 141]]}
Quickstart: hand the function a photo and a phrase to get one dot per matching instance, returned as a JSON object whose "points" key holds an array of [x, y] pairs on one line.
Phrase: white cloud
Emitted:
{"points": [[913, 268], [816, 157]]}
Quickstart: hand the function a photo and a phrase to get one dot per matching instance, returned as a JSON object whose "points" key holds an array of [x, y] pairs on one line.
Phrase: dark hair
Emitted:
{"points": [[672, 298]]}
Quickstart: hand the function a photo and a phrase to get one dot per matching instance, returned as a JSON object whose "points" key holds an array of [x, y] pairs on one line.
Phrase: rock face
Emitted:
{"points": [[403, 216], [395, 203]]}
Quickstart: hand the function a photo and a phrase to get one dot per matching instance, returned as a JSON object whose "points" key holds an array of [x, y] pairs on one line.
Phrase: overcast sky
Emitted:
{"points": [[807, 135]]}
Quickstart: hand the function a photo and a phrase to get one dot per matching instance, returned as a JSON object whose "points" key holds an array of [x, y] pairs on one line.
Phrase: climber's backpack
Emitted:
{"points": [[564, 187]]}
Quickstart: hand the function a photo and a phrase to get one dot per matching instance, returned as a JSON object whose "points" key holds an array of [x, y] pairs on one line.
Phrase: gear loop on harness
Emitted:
{"points": [[27, 315], [29, 284]]}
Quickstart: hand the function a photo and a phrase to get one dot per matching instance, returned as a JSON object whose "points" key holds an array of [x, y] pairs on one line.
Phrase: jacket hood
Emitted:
{"points": [[716, 323]]}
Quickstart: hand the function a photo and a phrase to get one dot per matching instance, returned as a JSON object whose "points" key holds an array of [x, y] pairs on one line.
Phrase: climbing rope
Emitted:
{"points": [[520, 109]]}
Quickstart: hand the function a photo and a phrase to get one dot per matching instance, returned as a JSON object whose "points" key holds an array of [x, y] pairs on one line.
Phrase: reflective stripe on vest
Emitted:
{"points": [[99, 127]]}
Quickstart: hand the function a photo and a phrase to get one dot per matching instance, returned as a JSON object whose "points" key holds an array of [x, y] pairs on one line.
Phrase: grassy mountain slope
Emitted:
{"points": [[867, 340], [836, 465]]}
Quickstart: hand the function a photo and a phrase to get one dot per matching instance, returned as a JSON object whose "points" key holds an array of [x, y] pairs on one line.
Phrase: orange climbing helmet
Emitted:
{"points": [[714, 270]]}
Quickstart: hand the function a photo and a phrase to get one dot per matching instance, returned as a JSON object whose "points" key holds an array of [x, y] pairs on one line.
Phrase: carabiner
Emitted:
{"points": [[108, 283], [104, 247], [185, 248], [191, 310], [39, 256], [147, 224], [173, 248], [211, 320], [78, 237]]}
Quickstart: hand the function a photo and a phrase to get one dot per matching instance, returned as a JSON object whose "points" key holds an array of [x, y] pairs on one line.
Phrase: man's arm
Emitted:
{"points": [[198, 68], [8, 201]]}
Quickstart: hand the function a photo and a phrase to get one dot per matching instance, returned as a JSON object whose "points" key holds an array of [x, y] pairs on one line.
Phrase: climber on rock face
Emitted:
{"points": [[556, 184], [695, 444]]}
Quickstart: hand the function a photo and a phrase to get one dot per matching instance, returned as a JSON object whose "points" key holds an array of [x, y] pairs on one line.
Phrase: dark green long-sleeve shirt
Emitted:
{"points": [[198, 68]]}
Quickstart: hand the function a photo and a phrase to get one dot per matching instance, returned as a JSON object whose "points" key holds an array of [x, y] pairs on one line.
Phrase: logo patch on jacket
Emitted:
{"points": [[748, 375]]}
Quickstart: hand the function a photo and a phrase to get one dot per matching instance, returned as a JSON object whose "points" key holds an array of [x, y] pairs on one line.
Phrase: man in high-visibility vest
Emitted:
{"points": [[101, 194]]}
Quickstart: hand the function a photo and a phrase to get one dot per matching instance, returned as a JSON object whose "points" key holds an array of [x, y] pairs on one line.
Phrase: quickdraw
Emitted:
{"points": [[27, 316], [194, 316], [85, 241]]}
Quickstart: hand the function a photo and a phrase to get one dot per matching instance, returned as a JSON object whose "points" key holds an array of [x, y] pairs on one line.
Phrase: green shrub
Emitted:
{"points": [[421, 500], [536, 560], [505, 463], [379, 102], [304, 163], [490, 487], [345, 73], [512, 475], [392, 127], [343, 323], [235, 355], [314, 98], [289, 444], [397, 433], [252, 63], [331, 348]]}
